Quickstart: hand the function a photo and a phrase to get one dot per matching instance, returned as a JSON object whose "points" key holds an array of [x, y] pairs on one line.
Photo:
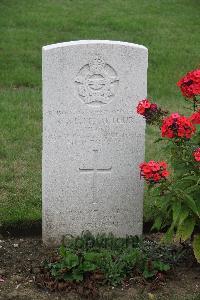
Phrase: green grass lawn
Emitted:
{"points": [[169, 29]]}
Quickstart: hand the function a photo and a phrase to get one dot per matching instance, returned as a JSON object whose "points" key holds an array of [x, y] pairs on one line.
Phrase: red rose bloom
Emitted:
{"points": [[190, 84], [142, 106], [154, 172], [177, 126], [195, 118], [196, 154]]}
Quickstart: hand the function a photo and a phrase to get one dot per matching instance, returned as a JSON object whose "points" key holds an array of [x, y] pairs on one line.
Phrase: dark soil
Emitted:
{"points": [[20, 259]]}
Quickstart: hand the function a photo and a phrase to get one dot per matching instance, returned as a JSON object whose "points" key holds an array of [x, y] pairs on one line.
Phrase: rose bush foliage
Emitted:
{"points": [[176, 193]]}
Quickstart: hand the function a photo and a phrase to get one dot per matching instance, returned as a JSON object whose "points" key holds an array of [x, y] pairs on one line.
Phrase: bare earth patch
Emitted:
{"points": [[20, 259]]}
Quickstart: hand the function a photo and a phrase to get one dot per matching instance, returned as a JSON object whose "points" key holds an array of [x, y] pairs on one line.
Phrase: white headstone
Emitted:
{"points": [[93, 140]]}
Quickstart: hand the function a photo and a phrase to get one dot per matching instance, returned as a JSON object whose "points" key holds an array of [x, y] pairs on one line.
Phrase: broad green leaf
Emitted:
{"points": [[161, 266], [185, 229], [176, 211], [168, 237], [148, 274], [71, 260], [196, 247], [88, 266], [189, 201], [77, 276], [183, 214]]}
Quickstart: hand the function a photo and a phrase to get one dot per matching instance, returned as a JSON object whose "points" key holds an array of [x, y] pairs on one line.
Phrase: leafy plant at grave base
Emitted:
{"points": [[152, 268], [108, 262], [177, 198]]}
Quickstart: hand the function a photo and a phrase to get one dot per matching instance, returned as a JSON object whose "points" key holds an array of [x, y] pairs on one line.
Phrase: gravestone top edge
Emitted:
{"points": [[93, 42]]}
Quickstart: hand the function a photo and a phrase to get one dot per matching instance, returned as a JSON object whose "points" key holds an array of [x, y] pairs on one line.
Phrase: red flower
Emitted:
{"points": [[165, 173], [143, 105], [153, 107], [195, 118], [190, 84], [196, 154], [163, 164], [177, 126], [154, 172]]}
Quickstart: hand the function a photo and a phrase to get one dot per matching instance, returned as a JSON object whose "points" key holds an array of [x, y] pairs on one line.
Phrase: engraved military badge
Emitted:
{"points": [[96, 82]]}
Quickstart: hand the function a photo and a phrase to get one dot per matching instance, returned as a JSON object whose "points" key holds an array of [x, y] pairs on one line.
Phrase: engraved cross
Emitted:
{"points": [[95, 169]]}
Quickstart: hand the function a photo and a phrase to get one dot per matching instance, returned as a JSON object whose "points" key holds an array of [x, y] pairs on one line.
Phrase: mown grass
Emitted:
{"points": [[169, 29]]}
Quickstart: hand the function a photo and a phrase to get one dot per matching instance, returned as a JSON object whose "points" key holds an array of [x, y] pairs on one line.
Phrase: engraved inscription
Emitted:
{"points": [[79, 119], [95, 169], [96, 82]]}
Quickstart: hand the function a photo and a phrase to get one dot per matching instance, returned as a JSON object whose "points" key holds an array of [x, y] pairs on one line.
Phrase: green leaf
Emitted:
{"points": [[176, 211], [161, 266], [148, 274], [55, 272], [189, 201], [183, 214], [158, 140], [88, 266], [192, 188], [62, 250], [68, 277], [198, 204], [77, 276], [190, 178], [196, 247], [157, 223], [92, 256], [168, 237], [185, 229], [71, 260], [197, 127]]}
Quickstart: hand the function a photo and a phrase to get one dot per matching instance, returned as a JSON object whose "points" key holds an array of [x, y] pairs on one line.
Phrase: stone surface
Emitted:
{"points": [[93, 140], [2, 271]]}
